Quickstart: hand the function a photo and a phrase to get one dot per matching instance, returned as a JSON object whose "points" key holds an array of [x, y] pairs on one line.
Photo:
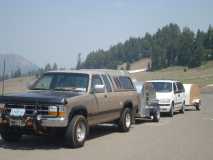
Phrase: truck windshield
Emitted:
{"points": [[62, 82], [162, 86]]}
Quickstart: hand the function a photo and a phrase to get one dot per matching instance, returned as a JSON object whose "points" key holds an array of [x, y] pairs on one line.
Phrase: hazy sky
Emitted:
{"points": [[57, 30]]}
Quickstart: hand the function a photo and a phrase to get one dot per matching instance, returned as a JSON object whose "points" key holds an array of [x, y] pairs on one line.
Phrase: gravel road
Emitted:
{"points": [[187, 136]]}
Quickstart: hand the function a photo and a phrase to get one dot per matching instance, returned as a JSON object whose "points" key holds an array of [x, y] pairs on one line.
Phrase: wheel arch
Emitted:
{"points": [[78, 110]]}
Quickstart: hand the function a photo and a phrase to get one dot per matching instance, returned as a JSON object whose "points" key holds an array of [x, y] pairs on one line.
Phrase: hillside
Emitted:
{"points": [[202, 75], [168, 46], [14, 62]]}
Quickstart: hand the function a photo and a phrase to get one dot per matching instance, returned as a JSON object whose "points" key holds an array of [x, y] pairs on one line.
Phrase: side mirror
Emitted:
{"points": [[99, 89]]}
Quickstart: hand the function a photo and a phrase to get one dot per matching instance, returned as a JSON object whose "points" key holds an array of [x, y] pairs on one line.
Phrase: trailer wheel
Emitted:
{"points": [[156, 116]]}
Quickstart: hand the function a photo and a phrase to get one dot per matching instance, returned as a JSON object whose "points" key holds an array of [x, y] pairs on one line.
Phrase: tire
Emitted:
{"points": [[182, 108], [156, 116], [76, 132], [125, 120], [11, 135], [197, 106], [171, 112]]}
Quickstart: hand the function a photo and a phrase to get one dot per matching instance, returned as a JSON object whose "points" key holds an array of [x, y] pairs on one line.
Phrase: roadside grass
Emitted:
{"points": [[16, 84], [202, 75]]}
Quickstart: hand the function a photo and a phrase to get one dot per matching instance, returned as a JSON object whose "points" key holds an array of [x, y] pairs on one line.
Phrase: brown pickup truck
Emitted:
{"points": [[69, 102]]}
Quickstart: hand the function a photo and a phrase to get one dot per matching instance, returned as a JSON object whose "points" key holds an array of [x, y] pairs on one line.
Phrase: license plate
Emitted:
{"points": [[16, 122], [17, 112]]}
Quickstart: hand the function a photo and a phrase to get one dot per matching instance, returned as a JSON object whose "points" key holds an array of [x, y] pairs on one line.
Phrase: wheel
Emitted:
{"points": [[171, 113], [125, 120], [197, 106], [156, 116], [182, 110], [76, 132], [11, 135]]}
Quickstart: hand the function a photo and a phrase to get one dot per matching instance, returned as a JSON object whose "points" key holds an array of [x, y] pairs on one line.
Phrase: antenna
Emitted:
{"points": [[4, 63]]}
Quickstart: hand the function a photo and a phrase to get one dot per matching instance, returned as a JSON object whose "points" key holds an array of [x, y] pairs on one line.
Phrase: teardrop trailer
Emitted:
{"points": [[192, 92], [149, 105]]}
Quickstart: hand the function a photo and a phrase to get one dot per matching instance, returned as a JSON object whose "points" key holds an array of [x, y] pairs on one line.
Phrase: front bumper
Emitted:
{"points": [[165, 107], [41, 121], [52, 122]]}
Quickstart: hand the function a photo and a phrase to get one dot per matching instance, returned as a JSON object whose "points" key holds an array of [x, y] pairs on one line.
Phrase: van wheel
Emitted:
{"points": [[197, 106], [76, 132], [171, 112], [156, 116], [125, 120], [182, 108], [11, 135]]}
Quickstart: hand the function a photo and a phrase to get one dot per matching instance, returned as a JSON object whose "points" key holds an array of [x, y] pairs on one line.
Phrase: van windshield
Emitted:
{"points": [[62, 82], [162, 86]]}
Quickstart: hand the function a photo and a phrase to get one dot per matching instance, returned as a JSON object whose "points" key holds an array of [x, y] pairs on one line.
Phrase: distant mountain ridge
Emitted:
{"points": [[15, 62]]}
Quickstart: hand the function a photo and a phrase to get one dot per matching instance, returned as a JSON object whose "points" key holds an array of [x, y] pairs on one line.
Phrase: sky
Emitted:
{"points": [[48, 31]]}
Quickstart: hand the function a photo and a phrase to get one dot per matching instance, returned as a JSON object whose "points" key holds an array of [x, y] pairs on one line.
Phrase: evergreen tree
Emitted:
{"points": [[55, 66], [47, 67]]}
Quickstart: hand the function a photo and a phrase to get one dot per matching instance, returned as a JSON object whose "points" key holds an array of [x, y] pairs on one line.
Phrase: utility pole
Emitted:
{"points": [[4, 63]]}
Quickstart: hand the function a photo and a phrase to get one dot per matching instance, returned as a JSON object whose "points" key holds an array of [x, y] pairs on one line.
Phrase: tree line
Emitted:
{"points": [[169, 46]]}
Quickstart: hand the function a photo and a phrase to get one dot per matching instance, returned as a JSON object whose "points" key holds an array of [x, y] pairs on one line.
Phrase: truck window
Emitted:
{"points": [[96, 80], [117, 82], [180, 87], [125, 82], [107, 83], [174, 87]]}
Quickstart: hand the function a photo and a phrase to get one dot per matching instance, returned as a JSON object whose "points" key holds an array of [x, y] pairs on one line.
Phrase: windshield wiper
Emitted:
{"points": [[39, 89], [69, 89]]}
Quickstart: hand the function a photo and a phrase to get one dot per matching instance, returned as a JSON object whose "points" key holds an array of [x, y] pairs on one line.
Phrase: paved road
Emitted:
{"points": [[184, 137]]}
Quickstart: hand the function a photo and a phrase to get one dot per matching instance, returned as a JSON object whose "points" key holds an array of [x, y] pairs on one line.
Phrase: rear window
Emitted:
{"points": [[126, 82]]}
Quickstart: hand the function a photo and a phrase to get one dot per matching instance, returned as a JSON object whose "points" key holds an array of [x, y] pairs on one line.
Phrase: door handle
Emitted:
{"points": [[105, 96]]}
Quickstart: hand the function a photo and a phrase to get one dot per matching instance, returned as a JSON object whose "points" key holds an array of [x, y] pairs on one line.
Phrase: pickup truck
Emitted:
{"points": [[69, 102]]}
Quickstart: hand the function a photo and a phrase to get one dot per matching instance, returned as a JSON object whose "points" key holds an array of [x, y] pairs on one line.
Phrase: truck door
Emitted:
{"points": [[101, 98], [112, 105], [181, 91], [176, 95]]}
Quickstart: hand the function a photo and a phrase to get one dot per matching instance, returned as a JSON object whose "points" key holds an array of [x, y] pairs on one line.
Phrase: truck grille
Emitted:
{"points": [[29, 109]]}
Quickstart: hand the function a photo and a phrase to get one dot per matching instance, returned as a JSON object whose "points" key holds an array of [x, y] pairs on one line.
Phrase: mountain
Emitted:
{"points": [[15, 62]]}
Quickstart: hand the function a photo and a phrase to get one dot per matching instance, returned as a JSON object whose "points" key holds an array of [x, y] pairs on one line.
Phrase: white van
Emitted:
{"points": [[171, 95]]}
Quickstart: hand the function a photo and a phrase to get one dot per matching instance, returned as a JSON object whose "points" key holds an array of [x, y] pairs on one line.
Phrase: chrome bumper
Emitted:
{"points": [[53, 122], [43, 121]]}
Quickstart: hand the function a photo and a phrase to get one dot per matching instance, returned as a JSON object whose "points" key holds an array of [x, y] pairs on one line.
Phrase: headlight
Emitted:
{"points": [[56, 111], [165, 101], [2, 107]]}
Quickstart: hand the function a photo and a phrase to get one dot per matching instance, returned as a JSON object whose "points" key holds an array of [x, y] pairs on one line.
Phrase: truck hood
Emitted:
{"points": [[39, 97]]}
